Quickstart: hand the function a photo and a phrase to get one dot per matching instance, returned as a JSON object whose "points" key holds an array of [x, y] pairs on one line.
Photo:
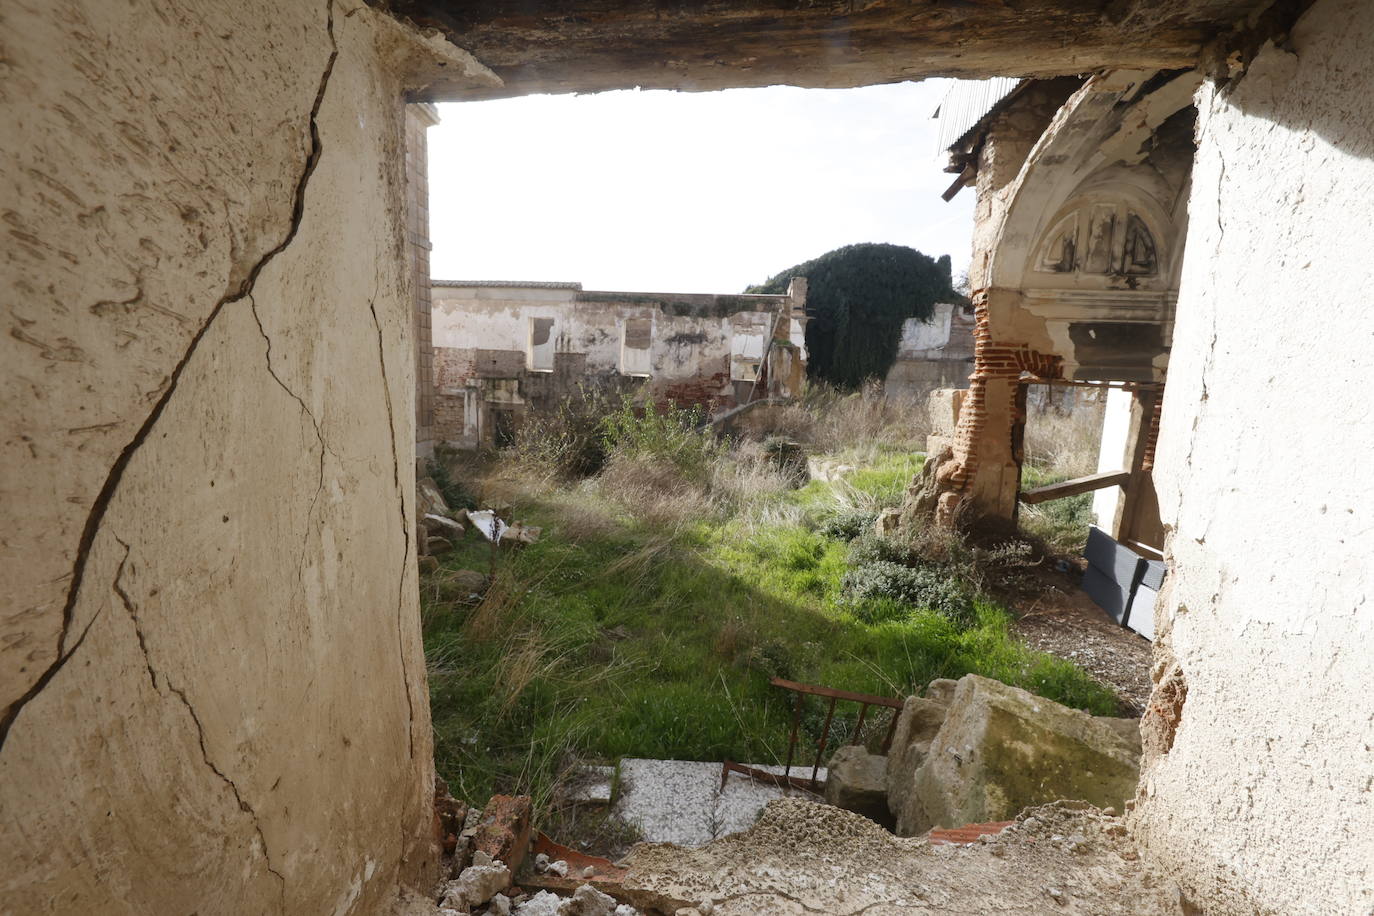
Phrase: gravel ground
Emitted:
{"points": [[1069, 625]]}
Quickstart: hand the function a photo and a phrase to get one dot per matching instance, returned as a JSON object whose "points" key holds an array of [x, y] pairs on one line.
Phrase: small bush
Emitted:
{"points": [[569, 441], [915, 586], [671, 434], [848, 524], [874, 548]]}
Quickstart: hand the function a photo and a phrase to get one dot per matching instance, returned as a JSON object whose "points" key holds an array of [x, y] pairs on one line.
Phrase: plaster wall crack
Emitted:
{"points": [[132, 609], [405, 529], [115, 475], [319, 436], [244, 806]]}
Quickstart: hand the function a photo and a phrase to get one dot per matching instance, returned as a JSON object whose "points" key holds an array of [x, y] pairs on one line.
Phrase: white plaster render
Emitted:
{"points": [[210, 657], [1265, 801], [497, 318], [919, 336]]}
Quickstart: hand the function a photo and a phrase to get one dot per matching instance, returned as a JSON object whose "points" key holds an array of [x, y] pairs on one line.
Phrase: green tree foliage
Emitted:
{"points": [[857, 299]]}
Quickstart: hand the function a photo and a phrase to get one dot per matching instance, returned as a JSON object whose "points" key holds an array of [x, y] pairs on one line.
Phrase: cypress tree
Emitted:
{"points": [[857, 299]]}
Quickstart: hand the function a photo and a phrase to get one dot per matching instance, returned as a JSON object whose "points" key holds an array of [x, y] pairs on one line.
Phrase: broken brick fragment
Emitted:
{"points": [[504, 830]]}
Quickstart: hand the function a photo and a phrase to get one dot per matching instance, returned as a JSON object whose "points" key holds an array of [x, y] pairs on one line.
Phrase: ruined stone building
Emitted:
{"points": [[502, 349], [211, 671], [1079, 232], [932, 354]]}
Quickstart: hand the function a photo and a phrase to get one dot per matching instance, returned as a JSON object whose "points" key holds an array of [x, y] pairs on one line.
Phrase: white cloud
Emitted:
{"points": [[686, 192]]}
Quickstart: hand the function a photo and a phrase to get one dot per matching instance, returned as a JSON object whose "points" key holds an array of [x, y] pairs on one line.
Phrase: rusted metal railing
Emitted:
{"points": [[786, 779]]}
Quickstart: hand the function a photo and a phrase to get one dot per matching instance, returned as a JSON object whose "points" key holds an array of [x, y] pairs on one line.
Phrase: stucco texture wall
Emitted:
{"points": [[210, 657], [1260, 794]]}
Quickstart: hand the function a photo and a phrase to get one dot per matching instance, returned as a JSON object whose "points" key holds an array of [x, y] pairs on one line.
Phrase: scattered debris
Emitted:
{"points": [[503, 832], [477, 884], [827, 469], [519, 534], [805, 857], [488, 523]]}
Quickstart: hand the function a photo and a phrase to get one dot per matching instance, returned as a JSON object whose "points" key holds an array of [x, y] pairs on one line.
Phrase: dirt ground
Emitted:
{"points": [[1062, 620], [807, 858]]}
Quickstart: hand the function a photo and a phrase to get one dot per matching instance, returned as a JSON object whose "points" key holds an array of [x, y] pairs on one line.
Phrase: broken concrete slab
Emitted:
{"points": [[682, 801], [858, 782], [1002, 749], [589, 785]]}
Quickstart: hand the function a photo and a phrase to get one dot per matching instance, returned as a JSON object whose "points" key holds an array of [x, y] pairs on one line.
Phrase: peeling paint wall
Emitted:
{"points": [[210, 658], [932, 354], [1258, 786], [695, 350]]}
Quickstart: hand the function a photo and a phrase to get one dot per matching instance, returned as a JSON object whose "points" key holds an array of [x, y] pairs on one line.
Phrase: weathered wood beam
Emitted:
{"points": [[1074, 487], [594, 45]]}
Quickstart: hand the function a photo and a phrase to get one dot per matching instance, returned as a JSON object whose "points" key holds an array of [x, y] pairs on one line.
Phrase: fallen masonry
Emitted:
{"points": [[805, 857]]}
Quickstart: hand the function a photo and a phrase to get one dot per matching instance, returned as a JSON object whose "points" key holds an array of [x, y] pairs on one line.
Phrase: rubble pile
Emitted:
{"points": [[440, 526]]}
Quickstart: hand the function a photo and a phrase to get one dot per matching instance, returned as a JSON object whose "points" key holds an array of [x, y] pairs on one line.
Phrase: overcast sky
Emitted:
{"points": [[686, 192]]}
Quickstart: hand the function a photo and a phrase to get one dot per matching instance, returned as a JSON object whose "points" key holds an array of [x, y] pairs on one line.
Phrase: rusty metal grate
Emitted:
{"points": [[786, 779]]}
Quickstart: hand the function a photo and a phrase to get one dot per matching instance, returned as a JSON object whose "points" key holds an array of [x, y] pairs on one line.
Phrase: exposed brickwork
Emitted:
{"points": [[969, 833], [991, 360], [708, 392], [1147, 463], [504, 830], [452, 368]]}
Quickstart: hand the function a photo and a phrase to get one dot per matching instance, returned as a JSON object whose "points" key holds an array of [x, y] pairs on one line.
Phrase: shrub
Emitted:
{"points": [[671, 434], [848, 524], [874, 548], [568, 441], [912, 585]]}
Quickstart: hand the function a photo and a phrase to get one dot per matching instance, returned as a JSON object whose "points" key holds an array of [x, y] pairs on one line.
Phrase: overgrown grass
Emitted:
{"points": [[650, 616]]}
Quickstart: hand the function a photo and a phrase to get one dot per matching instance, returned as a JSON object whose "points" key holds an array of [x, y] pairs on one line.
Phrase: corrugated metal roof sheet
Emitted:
{"points": [[965, 104]]}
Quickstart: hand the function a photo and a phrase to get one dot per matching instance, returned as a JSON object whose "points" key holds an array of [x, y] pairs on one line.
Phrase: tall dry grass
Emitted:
{"points": [[1065, 444]]}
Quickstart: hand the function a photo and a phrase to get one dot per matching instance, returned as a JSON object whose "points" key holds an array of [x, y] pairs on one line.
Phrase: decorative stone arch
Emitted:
{"points": [[1080, 275]]}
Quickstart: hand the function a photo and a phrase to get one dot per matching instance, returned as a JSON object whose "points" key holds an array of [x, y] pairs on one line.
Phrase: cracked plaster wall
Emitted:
{"points": [[1259, 795], [210, 659]]}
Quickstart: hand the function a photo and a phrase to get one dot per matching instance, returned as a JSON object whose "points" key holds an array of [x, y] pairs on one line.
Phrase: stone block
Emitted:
{"points": [[857, 782], [1002, 749], [917, 725]]}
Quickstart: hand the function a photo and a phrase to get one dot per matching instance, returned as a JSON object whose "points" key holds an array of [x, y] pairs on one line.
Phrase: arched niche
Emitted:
{"points": [[1110, 238]]}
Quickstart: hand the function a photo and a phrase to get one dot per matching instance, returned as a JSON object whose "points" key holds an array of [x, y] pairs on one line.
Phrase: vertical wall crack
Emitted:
{"points": [[115, 475], [405, 528], [132, 609], [319, 436]]}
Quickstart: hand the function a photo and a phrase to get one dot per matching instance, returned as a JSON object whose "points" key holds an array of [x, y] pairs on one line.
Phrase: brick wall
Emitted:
{"points": [[452, 368], [993, 362]]}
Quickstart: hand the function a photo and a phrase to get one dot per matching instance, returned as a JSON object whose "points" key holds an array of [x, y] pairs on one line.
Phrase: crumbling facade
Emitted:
{"points": [[1078, 246], [210, 664], [504, 349], [932, 354]]}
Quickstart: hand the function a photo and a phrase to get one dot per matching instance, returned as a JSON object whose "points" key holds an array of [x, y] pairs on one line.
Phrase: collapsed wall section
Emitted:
{"points": [[210, 659], [1256, 789]]}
